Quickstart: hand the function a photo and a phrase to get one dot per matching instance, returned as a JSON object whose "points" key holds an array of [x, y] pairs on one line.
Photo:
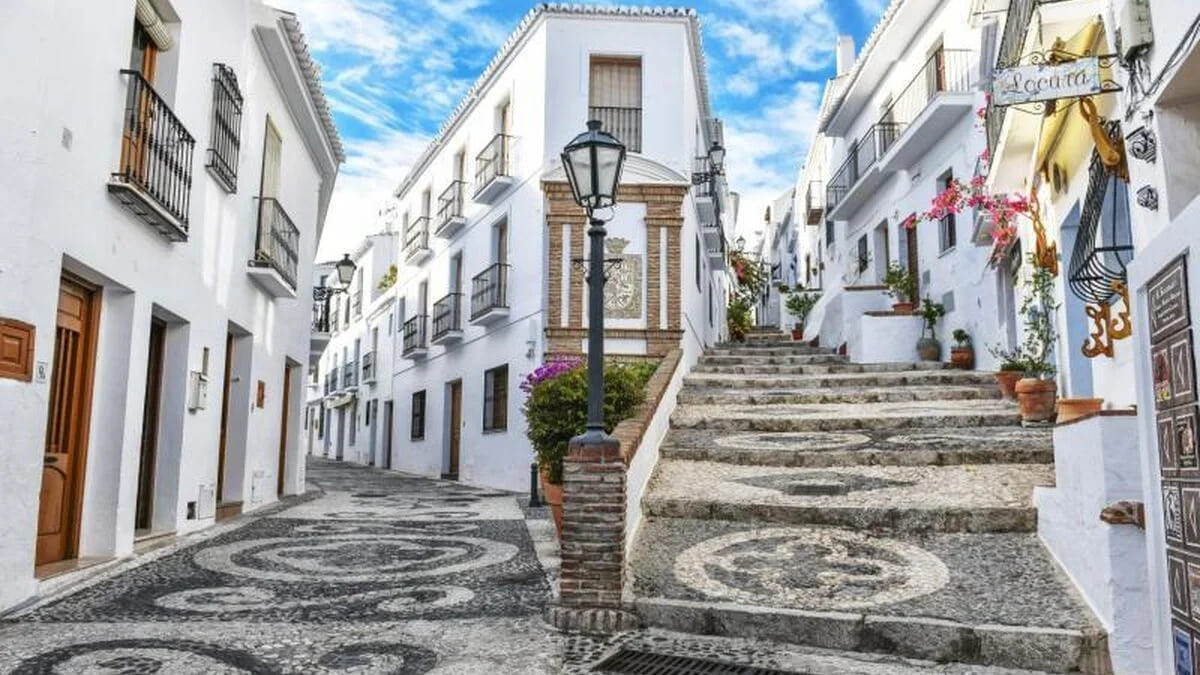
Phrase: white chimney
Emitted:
{"points": [[845, 54]]}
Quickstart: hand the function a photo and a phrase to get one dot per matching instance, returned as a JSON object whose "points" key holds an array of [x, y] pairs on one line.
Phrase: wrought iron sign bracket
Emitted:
{"points": [[1108, 329]]}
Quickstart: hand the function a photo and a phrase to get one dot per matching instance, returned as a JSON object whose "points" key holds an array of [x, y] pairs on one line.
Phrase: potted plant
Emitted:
{"points": [[928, 347], [1012, 370], [1074, 408], [962, 354], [737, 317], [801, 305], [1037, 391], [902, 286]]}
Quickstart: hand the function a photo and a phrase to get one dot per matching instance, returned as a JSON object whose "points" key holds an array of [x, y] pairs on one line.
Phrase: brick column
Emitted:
{"points": [[593, 541]]}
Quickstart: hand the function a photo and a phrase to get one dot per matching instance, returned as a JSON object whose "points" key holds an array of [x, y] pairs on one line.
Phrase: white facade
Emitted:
{"points": [[892, 129], [61, 131], [494, 249]]}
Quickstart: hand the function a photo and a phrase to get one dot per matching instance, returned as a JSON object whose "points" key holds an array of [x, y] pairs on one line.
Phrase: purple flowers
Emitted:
{"points": [[550, 370]]}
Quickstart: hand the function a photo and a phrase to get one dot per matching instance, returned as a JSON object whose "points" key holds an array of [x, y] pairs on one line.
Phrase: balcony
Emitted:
{"points": [[154, 179], [416, 344], [368, 368], [416, 241], [493, 171], [717, 255], [814, 203], [276, 247], [447, 319], [489, 294], [349, 375], [859, 175], [930, 106], [319, 330], [623, 123], [450, 217], [331, 382]]}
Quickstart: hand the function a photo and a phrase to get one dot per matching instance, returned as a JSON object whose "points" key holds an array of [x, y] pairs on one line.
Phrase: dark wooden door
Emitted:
{"points": [[67, 423], [226, 382], [455, 429], [387, 434], [283, 429], [914, 267], [150, 406]]}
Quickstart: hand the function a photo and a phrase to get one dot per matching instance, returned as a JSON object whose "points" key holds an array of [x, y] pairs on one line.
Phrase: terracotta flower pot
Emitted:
{"points": [[553, 495], [1007, 379], [903, 307], [963, 358], [797, 334], [929, 349], [1074, 408], [1036, 398]]}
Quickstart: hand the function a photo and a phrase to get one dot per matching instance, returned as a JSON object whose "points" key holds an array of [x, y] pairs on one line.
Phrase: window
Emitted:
{"points": [[946, 226], [698, 245], [830, 232], [418, 416], [495, 399], [353, 421], [225, 140], [863, 254], [615, 98]]}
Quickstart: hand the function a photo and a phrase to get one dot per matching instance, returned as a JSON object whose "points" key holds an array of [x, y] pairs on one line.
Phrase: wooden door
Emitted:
{"points": [[914, 267], [150, 407], [138, 136], [67, 423], [387, 435], [272, 161], [455, 429], [283, 429], [341, 439], [227, 382], [372, 412]]}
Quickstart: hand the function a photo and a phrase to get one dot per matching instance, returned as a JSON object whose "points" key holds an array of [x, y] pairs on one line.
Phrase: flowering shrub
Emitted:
{"points": [[550, 370]]}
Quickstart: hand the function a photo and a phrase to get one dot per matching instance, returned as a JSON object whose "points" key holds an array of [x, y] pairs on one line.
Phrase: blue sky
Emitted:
{"points": [[394, 69]]}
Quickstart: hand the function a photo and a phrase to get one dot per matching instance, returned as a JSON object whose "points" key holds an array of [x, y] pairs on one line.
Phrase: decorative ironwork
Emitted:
{"points": [[416, 239], [1045, 253], [1109, 329], [447, 315], [1143, 144], [1104, 245], [225, 140], [1147, 197], [450, 203], [1056, 56], [622, 122], [489, 290], [492, 162], [277, 242], [862, 156], [414, 335]]}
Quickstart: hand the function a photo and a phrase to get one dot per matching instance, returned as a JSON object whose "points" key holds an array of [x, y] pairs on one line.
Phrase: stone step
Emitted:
{"points": [[728, 395], [847, 416], [962, 498], [769, 359], [987, 599], [759, 347], [818, 369], [940, 447], [843, 379]]}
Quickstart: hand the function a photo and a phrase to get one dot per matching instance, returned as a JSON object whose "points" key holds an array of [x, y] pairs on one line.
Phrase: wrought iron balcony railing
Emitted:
{"points": [[623, 123], [277, 242], [414, 334], [814, 202], [320, 314], [450, 203], [493, 161], [947, 70], [417, 236], [368, 367], [447, 316], [862, 156], [350, 374], [489, 290], [154, 178], [703, 188]]}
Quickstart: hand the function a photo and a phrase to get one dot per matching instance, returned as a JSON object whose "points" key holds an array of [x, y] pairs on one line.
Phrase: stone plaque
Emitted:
{"points": [[1167, 457], [1183, 371], [1185, 440], [1191, 518], [1168, 299], [623, 292], [1177, 584], [1172, 513], [1183, 651]]}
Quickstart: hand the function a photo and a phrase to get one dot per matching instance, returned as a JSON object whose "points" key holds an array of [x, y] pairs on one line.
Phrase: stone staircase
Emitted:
{"points": [[865, 508]]}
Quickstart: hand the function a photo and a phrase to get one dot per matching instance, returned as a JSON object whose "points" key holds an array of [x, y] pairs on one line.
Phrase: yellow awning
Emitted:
{"points": [[1066, 137]]}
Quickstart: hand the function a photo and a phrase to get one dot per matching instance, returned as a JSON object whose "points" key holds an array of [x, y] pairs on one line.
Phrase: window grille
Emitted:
{"points": [[225, 140]]}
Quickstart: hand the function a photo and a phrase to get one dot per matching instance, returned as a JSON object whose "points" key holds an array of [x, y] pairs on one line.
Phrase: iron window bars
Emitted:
{"points": [[489, 290], [447, 315], [414, 334], [1104, 245], [493, 161], [225, 141], [450, 202], [623, 123]]}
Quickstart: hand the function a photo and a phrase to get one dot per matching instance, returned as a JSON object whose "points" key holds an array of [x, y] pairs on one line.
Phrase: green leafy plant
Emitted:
{"points": [[737, 317], [962, 339], [388, 279], [556, 407], [801, 304], [1011, 360], [901, 284], [1037, 311], [930, 313]]}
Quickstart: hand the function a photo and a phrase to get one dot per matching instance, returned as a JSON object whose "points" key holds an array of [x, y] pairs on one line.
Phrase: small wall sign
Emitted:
{"points": [[1047, 82]]}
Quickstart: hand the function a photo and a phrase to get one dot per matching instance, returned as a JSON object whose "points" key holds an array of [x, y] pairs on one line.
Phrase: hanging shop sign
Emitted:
{"points": [[1047, 81]]}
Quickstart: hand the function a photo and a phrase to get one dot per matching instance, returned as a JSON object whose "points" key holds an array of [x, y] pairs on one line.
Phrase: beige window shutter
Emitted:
{"points": [[616, 82], [153, 23]]}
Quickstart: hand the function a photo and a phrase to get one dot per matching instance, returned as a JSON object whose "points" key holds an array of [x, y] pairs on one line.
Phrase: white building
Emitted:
{"points": [[165, 173], [352, 406], [895, 127], [778, 257], [489, 284]]}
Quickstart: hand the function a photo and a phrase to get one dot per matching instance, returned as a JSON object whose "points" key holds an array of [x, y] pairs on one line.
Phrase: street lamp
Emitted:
{"points": [[593, 162], [345, 275]]}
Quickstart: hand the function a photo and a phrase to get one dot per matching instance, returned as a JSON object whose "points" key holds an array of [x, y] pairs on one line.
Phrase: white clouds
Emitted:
{"points": [[872, 9], [773, 40]]}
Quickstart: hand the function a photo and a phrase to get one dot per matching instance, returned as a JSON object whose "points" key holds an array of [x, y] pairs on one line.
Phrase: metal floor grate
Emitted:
{"points": [[633, 662]]}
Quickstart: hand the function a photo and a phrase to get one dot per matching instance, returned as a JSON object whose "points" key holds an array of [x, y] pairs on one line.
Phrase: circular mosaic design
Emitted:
{"points": [[810, 568], [380, 657], [228, 599], [354, 558], [793, 441], [144, 657]]}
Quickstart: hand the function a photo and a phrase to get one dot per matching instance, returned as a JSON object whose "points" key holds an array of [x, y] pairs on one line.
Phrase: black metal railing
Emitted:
{"points": [[493, 161], [417, 236], [277, 242], [814, 202], [447, 315], [320, 314], [225, 141], [368, 366], [489, 290], [450, 203], [948, 70], [1012, 49], [1104, 242], [862, 156], [623, 123], [414, 334], [156, 150], [356, 302], [331, 380], [703, 188], [350, 374]]}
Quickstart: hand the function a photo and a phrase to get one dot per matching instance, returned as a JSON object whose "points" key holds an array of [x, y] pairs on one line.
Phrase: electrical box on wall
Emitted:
{"points": [[197, 391], [1134, 32]]}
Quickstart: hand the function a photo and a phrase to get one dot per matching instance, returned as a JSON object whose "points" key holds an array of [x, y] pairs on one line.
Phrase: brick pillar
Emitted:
{"points": [[593, 541]]}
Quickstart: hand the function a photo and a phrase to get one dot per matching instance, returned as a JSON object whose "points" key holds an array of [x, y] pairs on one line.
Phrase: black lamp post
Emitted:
{"points": [[593, 162], [716, 168], [345, 275]]}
